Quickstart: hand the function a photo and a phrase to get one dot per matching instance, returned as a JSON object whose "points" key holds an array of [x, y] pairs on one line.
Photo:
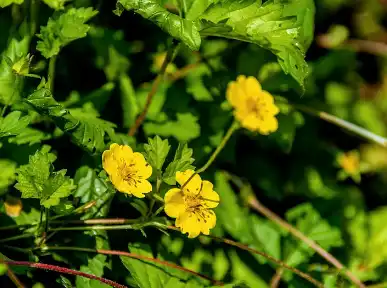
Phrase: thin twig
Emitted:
{"points": [[256, 205], [135, 256], [153, 90], [267, 256], [181, 73], [275, 281], [64, 270], [14, 278]]}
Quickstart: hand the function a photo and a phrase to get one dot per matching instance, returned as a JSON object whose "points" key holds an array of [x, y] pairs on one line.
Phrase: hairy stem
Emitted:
{"points": [[275, 281], [364, 133], [234, 126], [51, 73], [267, 256], [256, 205], [135, 256], [64, 270], [153, 90]]}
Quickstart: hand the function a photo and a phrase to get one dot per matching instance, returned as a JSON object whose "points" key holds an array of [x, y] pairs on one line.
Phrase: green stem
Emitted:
{"points": [[364, 133], [104, 227], [234, 126], [51, 73], [3, 110], [17, 237], [34, 8], [158, 198]]}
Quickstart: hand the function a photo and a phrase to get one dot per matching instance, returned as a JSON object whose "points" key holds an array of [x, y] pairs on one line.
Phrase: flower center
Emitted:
{"points": [[196, 205], [129, 174]]}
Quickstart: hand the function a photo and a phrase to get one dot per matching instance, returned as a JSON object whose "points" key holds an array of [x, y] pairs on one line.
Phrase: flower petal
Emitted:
{"points": [[193, 186], [209, 195], [174, 202], [144, 170], [141, 186], [252, 87], [194, 223], [189, 223], [109, 163]]}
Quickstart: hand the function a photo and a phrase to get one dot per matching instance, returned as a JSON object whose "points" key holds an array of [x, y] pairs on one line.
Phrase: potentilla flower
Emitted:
{"points": [[13, 206], [254, 108], [192, 205], [349, 161], [127, 170]]}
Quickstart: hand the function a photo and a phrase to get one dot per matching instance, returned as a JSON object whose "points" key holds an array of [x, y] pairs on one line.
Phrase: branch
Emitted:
{"points": [[135, 256], [267, 256], [256, 205], [64, 270], [153, 90], [275, 281]]}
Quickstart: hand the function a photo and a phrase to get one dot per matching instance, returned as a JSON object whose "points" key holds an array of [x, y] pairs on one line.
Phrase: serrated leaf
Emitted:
{"points": [[5, 3], [36, 180], [181, 162], [152, 275], [29, 136], [83, 124], [59, 32], [283, 27], [156, 151], [185, 128], [306, 219], [7, 175], [56, 4], [179, 28], [91, 187], [12, 84], [13, 124]]}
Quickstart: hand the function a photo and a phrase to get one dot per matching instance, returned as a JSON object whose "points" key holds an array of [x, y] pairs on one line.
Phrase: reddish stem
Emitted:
{"points": [[64, 270]]}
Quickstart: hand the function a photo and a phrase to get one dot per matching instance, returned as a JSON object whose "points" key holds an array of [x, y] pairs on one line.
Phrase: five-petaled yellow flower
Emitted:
{"points": [[350, 162], [127, 170], [191, 206], [254, 108]]}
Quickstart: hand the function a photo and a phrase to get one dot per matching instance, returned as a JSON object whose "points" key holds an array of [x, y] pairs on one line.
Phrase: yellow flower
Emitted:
{"points": [[191, 206], [254, 108], [350, 162], [127, 170], [13, 206]]}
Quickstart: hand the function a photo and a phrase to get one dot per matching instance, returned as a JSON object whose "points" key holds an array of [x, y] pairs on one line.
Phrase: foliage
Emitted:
{"points": [[77, 76]]}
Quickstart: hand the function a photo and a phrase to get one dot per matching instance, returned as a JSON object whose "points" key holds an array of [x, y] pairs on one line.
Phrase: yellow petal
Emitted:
{"points": [[251, 122], [174, 202], [188, 223], [142, 186], [109, 163], [269, 125], [144, 170], [252, 87], [13, 206], [122, 152], [193, 186], [195, 223], [209, 195]]}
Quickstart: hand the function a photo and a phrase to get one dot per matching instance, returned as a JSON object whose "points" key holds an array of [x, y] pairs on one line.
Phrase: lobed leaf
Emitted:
{"points": [[156, 151], [181, 162]]}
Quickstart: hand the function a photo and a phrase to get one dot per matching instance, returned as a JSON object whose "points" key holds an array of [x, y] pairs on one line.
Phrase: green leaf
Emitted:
{"points": [[181, 162], [179, 28], [306, 219], [5, 3], [56, 4], [156, 151], [152, 275], [29, 136], [13, 124], [283, 27], [90, 187], [98, 97], [7, 175], [128, 101], [185, 128], [83, 124], [36, 180], [59, 32]]}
